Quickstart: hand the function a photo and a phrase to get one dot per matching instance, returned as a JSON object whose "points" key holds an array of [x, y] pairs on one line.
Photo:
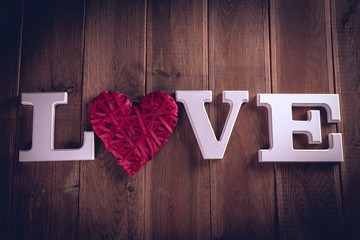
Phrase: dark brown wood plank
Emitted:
{"points": [[111, 202], [46, 194], [308, 194], [346, 41], [10, 41], [177, 179], [242, 189]]}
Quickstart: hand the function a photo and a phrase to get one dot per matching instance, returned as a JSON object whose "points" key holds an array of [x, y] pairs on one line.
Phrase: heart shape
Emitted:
{"points": [[133, 133]]}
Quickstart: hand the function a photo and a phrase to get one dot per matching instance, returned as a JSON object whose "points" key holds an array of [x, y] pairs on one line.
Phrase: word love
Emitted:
{"points": [[281, 126]]}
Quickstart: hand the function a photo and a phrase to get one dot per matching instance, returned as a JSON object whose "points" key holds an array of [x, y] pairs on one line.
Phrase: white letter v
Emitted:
{"points": [[194, 101]]}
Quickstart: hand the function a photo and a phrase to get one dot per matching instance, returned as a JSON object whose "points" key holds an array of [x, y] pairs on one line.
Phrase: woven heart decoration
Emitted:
{"points": [[133, 133]]}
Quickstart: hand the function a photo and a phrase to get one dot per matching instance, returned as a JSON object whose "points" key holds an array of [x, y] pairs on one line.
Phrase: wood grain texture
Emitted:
{"points": [[111, 202], [242, 189], [177, 179], [346, 41], [10, 41], [308, 195], [84, 47], [46, 194]]}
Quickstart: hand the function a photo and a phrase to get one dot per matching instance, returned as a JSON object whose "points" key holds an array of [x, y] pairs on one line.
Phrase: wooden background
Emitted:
{"points": [[136, 47]]}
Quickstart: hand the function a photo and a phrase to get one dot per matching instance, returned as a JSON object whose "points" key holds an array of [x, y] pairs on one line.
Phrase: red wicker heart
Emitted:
{"points": [[133, 134]]}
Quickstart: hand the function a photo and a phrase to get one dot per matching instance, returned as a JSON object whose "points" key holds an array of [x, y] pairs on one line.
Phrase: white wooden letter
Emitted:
{"points": [[194, 101], [43, 131], [282, 127]]}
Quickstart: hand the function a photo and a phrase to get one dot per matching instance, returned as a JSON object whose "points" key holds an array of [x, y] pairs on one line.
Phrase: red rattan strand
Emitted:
{"points": [[133, 134]]}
